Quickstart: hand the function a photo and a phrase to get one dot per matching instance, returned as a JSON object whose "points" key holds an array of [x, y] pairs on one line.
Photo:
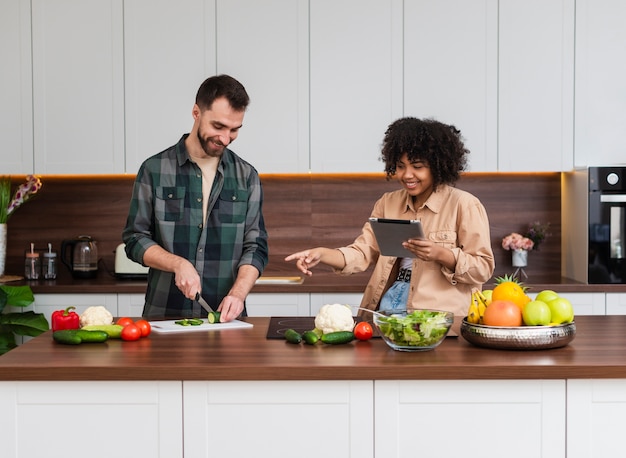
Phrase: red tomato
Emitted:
{"points": [[144, 326], [131, 332], [363, 331], [124, 321]]}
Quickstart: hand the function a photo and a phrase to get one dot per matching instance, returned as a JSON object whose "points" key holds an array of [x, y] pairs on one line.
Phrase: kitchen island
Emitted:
{"points": [[201, 393]]}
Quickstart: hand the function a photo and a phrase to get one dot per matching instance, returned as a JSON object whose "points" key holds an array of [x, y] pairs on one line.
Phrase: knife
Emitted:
{"points": [[203, 303]]}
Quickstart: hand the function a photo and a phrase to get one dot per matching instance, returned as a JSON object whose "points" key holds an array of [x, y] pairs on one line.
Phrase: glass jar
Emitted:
{"points": [[49, 266], [32, 266]]}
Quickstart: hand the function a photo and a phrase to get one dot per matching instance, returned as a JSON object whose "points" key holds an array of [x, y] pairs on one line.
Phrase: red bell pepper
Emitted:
{"points": [[65, 319]]}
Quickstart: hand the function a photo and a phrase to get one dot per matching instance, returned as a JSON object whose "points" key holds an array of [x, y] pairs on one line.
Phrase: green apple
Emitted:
{"points": [[562, 310], [487, 293], [537, 313], [546, 296]]}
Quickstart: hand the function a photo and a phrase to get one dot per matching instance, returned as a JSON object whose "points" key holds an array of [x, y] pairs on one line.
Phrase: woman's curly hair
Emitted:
{"points": [[438, 145]]}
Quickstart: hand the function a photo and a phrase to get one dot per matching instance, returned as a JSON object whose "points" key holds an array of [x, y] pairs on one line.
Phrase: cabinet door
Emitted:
{"points": [[600, 76], [265, 45], [130, 304], [615, 303], [167, 54], [356, 81], [536, 85], [451, 73], [320, 299], [16, 112], [284, 304], [48, 303], [470, 418], [78, 86], [63, 419], [307, 419], [595, 417]]}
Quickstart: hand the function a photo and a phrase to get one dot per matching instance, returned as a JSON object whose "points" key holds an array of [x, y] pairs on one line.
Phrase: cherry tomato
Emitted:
{"points": [[124, 321], [363, 331], [131, 332], [144, 326]]}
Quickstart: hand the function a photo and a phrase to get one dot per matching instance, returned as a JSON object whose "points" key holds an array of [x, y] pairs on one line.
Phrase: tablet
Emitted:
{"points": [[390, 233]]}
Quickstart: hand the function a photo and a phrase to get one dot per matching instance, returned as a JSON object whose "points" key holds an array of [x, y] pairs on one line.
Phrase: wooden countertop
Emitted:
{"points": [[598, 351]]}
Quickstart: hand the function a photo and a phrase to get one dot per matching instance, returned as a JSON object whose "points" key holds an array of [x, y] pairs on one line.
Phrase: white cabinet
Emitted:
{"points": [[78, 86], [615, 303], [284, 304], [167, 55], [16, 112], [130, 305], [595, 413], [48, 303], [470, 418], [356, 81], [536, 85], [584, 303], [351, 299], [265, 45], [71, 419], [600, 75], [306, 418], [451, 70]]}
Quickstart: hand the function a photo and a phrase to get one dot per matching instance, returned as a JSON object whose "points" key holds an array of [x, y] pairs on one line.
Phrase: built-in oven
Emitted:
{"points": [[607, 225], [593, 222]]}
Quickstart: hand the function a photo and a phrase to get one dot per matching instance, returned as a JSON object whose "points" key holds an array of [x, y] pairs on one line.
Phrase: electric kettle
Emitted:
{"points": [[83, 256]]}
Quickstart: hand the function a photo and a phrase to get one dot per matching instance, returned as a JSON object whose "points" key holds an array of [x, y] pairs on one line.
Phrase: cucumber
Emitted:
{"points": [[310, 337], [293, 336], [78, 336], [338, 337], [214, 317], [190, 322], [92, 336], [114, 331]]}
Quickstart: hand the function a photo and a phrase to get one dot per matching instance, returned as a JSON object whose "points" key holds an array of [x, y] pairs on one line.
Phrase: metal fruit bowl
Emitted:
{"points": [[518, 338]]}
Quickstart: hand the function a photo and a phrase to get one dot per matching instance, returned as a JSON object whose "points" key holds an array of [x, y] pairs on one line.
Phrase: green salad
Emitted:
{"points": [[420, 328]]}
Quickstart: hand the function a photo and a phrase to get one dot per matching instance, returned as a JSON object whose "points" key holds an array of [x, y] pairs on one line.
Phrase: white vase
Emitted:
{"points": [[520, 258], [3, 248]]}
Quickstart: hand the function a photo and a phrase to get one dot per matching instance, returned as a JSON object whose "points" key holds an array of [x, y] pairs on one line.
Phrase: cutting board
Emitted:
{"points": [[169, 326]]}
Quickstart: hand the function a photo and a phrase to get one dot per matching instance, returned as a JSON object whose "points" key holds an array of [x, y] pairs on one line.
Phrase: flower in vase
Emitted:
{"points": [[23, 193], [515, 241]]}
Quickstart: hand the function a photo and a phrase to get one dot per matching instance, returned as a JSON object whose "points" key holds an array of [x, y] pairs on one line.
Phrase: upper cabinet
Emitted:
{"points": [[78, 86], [536, 85], [265, 46], [99, 86], [600, 82], [167, 55], [451, 70], [16, 112]]}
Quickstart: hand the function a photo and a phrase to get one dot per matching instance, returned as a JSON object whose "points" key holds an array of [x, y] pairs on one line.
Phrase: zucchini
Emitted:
{"points": [[310, 337], [214, 317], [293, 336], [338, 337], [114, 331], [78, 336]]}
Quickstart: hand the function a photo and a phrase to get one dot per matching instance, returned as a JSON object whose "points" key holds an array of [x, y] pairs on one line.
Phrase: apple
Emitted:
{"points": [[546, 296], [488, 294], [562, 310], [537, 313]]}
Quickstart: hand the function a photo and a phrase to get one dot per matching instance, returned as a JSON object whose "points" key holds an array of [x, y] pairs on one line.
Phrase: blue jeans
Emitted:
{"points": [[395, 299]]}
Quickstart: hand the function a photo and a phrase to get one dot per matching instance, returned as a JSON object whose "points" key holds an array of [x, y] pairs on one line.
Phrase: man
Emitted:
{"points": [[196, 217]]}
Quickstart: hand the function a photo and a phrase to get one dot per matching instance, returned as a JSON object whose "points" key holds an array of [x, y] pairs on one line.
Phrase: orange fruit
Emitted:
{"points": [[502, 313], [511, 291]]}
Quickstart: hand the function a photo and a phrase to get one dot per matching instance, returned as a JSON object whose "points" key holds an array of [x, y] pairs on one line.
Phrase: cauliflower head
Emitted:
{"points": [[334, 317], [95, 315]]}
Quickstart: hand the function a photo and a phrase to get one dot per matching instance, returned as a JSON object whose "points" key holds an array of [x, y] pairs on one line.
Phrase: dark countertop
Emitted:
{"points": [[598, 351], [320, 282]]}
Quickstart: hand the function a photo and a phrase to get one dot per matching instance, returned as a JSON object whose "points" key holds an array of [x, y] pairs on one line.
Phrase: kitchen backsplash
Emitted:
{"points": [[301, 211]]}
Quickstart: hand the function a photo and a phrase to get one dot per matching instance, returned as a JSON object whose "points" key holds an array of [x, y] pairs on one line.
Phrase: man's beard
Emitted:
{"points": [[211, 148]]}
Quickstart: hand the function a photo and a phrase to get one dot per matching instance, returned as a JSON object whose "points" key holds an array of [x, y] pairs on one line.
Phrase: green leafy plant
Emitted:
{"points": [[18, 323]]}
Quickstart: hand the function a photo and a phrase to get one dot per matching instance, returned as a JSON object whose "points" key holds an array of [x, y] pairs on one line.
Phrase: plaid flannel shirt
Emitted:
{"points": [[166, 209]]}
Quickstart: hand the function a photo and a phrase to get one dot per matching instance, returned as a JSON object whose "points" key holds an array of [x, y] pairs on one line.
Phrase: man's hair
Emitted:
{"points": [[438, 145], [226, 86]]}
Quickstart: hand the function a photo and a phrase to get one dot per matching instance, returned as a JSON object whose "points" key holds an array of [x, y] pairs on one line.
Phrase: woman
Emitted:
{"points": [[426, 157]]}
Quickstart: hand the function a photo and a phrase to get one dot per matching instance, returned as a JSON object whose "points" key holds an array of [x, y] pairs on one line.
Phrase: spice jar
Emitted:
{"points": [[32, 264], [49, 265]]}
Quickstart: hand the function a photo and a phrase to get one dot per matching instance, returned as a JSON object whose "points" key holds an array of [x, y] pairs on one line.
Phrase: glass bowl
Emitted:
{"points": [[417, 330]]}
